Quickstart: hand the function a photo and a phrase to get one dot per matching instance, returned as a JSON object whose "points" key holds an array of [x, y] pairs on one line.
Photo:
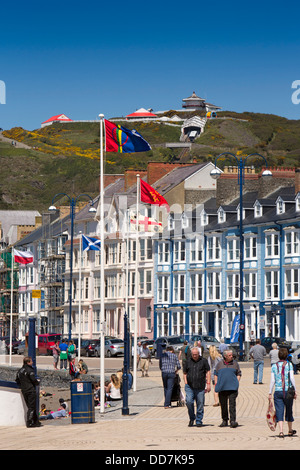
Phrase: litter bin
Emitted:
{"points": [[82, 402]]}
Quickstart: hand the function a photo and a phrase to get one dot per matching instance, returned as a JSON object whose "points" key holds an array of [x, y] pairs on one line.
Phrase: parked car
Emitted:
{"points": [[21, 347], [46, 343], [15, 343], [206, 341], [87, 347], [113, 347], [164, 341], [269, 340]]}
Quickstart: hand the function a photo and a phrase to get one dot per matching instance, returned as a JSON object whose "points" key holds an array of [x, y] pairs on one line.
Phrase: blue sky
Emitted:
{"points": [[82, 59]]}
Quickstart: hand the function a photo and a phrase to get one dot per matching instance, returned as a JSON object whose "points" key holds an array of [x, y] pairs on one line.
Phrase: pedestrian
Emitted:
{"points": [[196, 373], [227, 378], [55, 352], [63, 347], [258, 352], [213, 359], [273, 354], [71, 350], [183, 352], [169, 365], [252, 338], [138, 353], [73, 371], [28, 381], [282, 375], [145, 358]]}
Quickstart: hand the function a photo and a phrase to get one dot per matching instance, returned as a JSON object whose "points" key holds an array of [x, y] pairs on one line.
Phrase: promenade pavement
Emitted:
{"points": [[150, 427]]}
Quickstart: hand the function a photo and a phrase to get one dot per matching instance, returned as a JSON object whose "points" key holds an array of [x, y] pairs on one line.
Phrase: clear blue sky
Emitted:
{"points": [[86, 58]]}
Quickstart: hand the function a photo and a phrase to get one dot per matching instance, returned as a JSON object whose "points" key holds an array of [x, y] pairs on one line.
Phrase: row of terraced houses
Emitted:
{"points": [[184, 276]]}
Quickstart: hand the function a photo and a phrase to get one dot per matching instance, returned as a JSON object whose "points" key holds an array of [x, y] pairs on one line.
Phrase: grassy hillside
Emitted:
{"points": [[65, 157]]}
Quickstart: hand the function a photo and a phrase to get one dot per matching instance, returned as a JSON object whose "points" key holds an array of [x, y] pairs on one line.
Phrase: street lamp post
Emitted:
{"points": [[72, 202], [216, 173]]}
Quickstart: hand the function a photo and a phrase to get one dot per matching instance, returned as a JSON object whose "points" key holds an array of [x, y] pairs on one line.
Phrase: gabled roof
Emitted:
{"points": [[58, 118], [142, 112]]}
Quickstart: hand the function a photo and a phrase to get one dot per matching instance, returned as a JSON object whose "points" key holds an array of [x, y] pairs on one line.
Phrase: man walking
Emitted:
{"points": [[169, 365], [227, 378], [197, 376], [258, 352], [145, 357], [27, 380]]}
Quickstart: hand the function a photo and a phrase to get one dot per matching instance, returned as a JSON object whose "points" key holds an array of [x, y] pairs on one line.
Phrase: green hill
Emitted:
{"points": [[65, 157]]}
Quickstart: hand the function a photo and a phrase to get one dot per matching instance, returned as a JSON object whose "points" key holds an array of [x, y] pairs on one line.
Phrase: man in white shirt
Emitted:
{"points": [[145, 357]]}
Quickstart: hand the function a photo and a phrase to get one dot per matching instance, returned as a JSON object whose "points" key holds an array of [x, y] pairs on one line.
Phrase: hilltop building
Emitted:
{"points": [[195, 103], [58, 118]]}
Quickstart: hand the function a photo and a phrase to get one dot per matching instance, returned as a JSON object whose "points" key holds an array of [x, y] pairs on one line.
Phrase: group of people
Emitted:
{"points": [[65, 353], [222, 373], [113, 388]]}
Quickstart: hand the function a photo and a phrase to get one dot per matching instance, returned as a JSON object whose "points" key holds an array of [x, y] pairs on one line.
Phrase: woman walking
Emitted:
{"points": [[213, 359], [282, 376]]}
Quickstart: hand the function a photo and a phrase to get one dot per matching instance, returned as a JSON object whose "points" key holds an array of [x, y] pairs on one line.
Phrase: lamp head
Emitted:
{"points": [[92, 209], [215, 173], [266, 173], [52, 208]]}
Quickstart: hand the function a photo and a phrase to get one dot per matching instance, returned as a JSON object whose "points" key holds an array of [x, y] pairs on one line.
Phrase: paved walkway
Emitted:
{"points": [[151, 427]]}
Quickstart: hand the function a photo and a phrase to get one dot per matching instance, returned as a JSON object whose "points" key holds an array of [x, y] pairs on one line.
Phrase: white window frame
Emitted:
{"points": [[214, 248], [213, 286], [163, 292], [196, 250], [272, 285], [233, 249], [233, 286], [250, 285], [179, 286], [272, 245], [293, 243], [179, 251], [197, 287], [291, 277], [163, 252], [250, 247]]}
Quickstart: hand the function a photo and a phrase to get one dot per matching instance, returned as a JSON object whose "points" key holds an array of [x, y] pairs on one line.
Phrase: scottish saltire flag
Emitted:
{"points": [[89, 243], [121, 140], [235, 331]]}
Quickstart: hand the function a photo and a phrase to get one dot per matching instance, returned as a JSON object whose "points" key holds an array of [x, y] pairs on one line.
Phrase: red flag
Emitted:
{"points": [[150, 196], [23, 257]]}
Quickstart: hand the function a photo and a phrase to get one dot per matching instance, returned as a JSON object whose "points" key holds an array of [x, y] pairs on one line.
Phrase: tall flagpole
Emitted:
{"points": [[11, 303], [102, 290], [136, 288], [79, 305]]}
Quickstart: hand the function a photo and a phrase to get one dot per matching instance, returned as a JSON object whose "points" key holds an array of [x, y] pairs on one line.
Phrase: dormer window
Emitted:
{"points": [[204, 218], [184, 221], [258, 212], [221, 216], [280, 206], [238, 213], [171, 222]]}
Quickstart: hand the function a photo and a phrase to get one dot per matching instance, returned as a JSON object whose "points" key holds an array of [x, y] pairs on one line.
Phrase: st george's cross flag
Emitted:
{"points": [[150, 196], [23, 257], [121, 140], [89, 243]]}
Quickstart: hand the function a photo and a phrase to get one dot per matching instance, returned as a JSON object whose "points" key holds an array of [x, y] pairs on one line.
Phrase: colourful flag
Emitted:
{"points": [[150, 196], [89, 243], [121, 140], [23, 257]]}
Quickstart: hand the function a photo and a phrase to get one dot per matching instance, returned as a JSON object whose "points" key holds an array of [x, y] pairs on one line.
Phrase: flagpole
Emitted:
{"points": [[102, 291], [136, 282], [79, 305], [11, 303]]}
